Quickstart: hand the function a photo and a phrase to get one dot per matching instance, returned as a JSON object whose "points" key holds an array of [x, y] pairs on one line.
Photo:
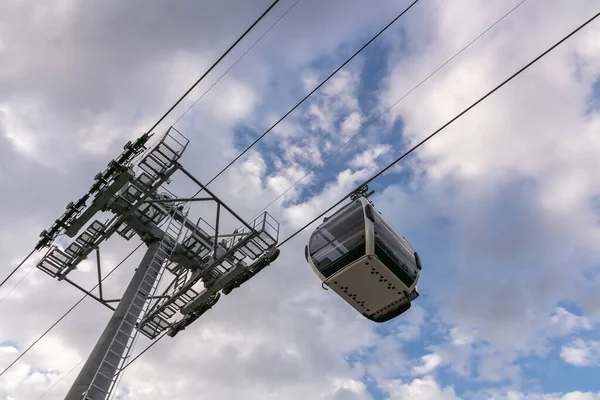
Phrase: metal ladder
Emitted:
{"points": [[123, 342]]}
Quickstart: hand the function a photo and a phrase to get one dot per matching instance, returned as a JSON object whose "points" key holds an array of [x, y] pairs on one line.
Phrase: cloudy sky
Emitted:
{"points": [[503, 206]]}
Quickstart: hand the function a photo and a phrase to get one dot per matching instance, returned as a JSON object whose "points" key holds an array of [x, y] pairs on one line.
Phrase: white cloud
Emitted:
{"points": [[581, 353], [342, 88], [580, 396], [8, 350], [285, 178], [351, 124], [282, 336], [337, 101], [298, 215], [286, 128], [367, 158], [320, 120], [567, 323], [516, 395], [99, 87], [462, 337], [234, 101], [307, 151], [347, 389], [493, 368], [510, 212], [426, 389], [429, 363], [576, 355], [412, 326]]}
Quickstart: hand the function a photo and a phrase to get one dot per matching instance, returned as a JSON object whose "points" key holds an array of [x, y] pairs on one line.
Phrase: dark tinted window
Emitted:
{"points": [[394, 251], [340, 240]]}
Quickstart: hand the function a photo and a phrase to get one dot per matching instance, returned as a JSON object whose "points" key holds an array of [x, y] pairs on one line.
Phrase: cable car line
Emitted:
{"points": [[150, 130], [249, 147], [162, 335], [363, 185], [420, 144], [226, 72], [192, 88], [69, 310], [17, 268], [60, 379], [309, 95], [214, 65], [372, 120], [17, 284], [369, 123], [481, 99], [236, 62], [42, 336]]}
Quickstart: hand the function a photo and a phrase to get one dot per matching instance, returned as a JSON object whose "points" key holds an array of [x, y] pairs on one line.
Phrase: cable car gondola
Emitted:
{"points": [[358, 254]]}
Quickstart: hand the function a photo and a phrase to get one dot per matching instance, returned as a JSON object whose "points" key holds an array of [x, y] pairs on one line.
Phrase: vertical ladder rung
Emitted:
{"points": [[148, 285]]}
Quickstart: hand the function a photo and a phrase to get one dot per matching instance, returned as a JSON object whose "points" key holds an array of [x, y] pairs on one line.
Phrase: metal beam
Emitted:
{"points": [[228, 235], [149, 298], [217, 231], [95, 370], [197, 182], [198, 274], [100, 202], [99, 272], [120, 219], [93, 296], [183, 199]]}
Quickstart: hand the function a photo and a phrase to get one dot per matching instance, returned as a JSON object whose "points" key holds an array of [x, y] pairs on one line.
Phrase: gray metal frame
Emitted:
{"points": [[195, 261]]}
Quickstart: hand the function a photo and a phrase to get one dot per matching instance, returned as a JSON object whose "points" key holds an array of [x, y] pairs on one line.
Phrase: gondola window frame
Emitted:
{"points": [[347, 226]]}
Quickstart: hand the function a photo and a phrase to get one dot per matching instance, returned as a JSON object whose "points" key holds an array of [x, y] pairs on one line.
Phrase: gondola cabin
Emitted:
{"points": [[358, 254]]}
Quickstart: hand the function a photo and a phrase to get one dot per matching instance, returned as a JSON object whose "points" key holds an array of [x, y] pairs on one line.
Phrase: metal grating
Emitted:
{"points": [[122, 343], [164, 154], [57, 261], [158, 322], [125, 231], [252, 245]]}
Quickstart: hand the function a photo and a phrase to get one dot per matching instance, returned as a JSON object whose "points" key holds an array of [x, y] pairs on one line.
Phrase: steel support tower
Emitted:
{"points": [[188, 263]]}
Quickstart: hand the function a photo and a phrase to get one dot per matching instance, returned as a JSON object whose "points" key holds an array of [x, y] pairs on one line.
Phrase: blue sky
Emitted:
{"points": [[508, 208], [500, 206]]}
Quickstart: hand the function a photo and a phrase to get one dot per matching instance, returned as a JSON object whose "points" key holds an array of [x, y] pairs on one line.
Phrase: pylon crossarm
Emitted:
{"points": [[187, 265]]}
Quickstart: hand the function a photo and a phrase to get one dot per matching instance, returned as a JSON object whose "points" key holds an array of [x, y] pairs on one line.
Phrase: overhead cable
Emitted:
{"points": [[17, 284], [152, 128], [180, 100], [68, 311], [236, 62], [361, 130], [214, 65], [481, 99], [17, 268], [20, 280], [146, 349], [60, 379], [277, 123], [162, 335], [308, 95], [372, 120]]}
